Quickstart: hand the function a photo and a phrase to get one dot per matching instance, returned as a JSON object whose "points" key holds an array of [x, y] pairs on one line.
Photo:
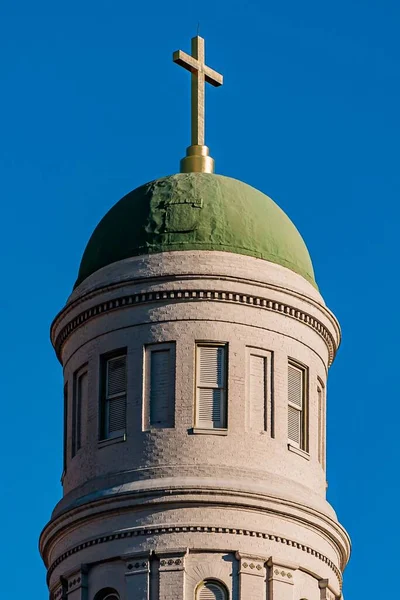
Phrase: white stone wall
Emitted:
{"points": [[213, 500]]}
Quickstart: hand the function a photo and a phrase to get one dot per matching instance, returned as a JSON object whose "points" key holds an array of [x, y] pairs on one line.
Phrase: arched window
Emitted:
{"points": [[211, 590], [106, 594]]}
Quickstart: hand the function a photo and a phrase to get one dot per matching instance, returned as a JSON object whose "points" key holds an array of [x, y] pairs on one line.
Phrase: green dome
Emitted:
{"points": [[196, 211]]}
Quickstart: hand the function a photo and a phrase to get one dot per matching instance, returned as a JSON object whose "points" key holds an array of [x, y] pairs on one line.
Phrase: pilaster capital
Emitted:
{"points": [[326, 592], [73, 582], [250, 564], [137, 563], [282, 571], [172, 559]]}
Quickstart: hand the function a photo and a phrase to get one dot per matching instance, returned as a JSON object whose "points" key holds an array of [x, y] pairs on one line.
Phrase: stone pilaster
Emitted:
{"points": [[77, 585], [252, 577], [59, 592], [172, 574], [281, 579], [137, 575], [326, 592]]}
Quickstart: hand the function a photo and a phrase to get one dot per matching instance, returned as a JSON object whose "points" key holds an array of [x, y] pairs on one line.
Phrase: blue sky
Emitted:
{"points": [[91, 106]]}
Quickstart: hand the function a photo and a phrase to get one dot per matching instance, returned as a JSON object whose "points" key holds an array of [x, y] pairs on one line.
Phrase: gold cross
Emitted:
{"points": [[200, 75]]}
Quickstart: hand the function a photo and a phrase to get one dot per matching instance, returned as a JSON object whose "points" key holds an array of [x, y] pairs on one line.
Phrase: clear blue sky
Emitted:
{"points": [[91, 106]]}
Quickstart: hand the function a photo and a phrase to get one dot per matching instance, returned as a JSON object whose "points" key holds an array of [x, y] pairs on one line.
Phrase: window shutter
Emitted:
{"points": [[294, 425], [116, 376], [295, 386], [80, 404], [211, 386], [321, 423], [211, 365], [257, 393], [296, 397], [161, 409], [210, 406], [117, 415], [211, 591], [115, 396], [65, 441]]}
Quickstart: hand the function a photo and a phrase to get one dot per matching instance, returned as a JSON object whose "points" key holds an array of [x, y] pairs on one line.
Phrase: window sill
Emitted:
{"points": [[299, 451], [110, 441], [206, 431]]}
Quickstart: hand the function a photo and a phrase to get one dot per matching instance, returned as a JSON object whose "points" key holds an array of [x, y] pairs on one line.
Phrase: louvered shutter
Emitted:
{"points": [[294, 425], [210, 407], [117, 415], [321, 428], [66, 432], [295, 404], [211, 591], [295, 386], [211, 393], [116, 376], [116, 396], [257, 392], [81, 404], [211, 365], [161, 398]]}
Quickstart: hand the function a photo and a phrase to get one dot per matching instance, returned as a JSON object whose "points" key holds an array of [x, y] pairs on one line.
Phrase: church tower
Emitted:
{"points": [[195, 348]]}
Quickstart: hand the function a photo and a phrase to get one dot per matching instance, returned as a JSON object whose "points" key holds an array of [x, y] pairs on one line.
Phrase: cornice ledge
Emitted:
{"points": [[174, 278], [160, 530], [282, 510], [194, 295]]}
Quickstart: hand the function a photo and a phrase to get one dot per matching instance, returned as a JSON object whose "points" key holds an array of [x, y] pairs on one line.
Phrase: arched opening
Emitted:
{"points": [[106, 594], [211, 590]]}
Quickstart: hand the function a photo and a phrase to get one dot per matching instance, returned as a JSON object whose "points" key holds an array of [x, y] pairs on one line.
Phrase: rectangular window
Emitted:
{"points": [[159, 386], [297, 406], [211, 392], [80, 399], [259, 393], [321, 422], [113, 400], [65, 442]]}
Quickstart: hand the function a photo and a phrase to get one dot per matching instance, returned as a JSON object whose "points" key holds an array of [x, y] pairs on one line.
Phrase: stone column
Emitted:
{"points": [[76, 585], [137, 575], [252, 577], [172, 574], [326, 593], [280, 579]]}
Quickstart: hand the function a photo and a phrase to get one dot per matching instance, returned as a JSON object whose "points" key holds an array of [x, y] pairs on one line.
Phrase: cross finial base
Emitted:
{"points": [[197, 160]]}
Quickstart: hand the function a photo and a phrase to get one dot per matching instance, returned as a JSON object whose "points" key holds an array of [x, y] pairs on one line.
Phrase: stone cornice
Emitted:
{"points": [[284, 509], [192, 295], [160, 530]]}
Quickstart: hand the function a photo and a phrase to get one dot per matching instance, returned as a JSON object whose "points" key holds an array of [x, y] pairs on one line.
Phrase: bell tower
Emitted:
{"points": [[195, 348]]}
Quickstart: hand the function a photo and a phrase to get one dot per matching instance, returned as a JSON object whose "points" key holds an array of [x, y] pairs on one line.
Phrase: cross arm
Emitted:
{"points": [[186, 61], [211, 76]]}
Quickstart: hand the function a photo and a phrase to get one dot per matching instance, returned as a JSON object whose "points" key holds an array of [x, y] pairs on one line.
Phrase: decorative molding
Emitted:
{"points": [[138, 564], [193, 296], [59, 592], [172, 559], [77, 580], [74, 582], [251, 565], [283, 572], [152, 530], [326, 593]]}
